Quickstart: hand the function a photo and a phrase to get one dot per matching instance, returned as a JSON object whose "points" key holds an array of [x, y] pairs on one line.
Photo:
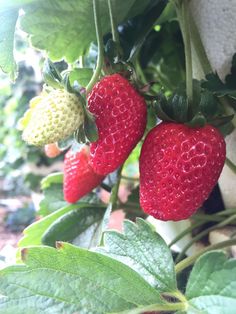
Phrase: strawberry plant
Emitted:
{"points": [[145, 117]]}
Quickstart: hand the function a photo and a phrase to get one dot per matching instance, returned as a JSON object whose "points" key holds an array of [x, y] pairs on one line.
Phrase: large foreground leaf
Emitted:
{"points": [[145, 251], [212, 285], [71, 280]]}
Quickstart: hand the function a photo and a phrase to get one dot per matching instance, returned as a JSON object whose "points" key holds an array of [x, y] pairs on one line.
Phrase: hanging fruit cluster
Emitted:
{"points": [[181, 158]]}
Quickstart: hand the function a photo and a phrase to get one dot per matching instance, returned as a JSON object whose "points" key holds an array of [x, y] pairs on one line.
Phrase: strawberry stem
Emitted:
{"points": [[230, 164], [115, 35], [115, 190], [184, 232], [183, 17], [202, 234], [198, 47], [99, 37], [191, 259], [200, 220]]}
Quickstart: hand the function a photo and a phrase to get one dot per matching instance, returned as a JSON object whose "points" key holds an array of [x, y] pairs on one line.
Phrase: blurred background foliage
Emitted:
{"points": [[15, 155]]}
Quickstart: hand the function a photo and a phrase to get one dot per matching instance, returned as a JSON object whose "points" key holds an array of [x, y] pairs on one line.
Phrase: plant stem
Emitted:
{"points": [[202, 234], [100, 57], [191, 259], [188, 54], [227, 212], [81, 61], [115, 35], [183, 17], [230, 164], [184, 232], [167, 307], [115, 190], [203, 218], [176, 294], [225, 101], [198, 46], [140, 71], [211, 218]]}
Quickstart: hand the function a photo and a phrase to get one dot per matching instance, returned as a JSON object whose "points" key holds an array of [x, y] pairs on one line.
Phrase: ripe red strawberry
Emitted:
{"points": [[179, 167], [79, 177], [121, 117]]}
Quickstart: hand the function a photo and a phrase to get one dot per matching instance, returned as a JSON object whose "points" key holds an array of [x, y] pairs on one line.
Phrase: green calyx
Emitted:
{"points": [[204, 108], [53, 78]]}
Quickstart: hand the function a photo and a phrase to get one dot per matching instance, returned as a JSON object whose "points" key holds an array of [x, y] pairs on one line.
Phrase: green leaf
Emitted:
{"points": [[53, 199], [221, 120], [53, 178], [8, 18], [145, 251], [135, 31], [179, 104], [163, 51], [212, 305], [33, 234], [160, 108], [75, 224], [93, 236], [90, 127], [176, 108], [209, 105], [66, 143], [226, 129], [51, 75], [66, 83], [80, 135], [71, 280], [197, 121], [168, 14], [53, 194], [214, 83], [65, 29], [212, 284], [82, 76]]}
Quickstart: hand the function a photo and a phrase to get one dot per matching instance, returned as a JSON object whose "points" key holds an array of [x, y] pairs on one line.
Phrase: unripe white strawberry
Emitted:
{"points": [[51, 118]]}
